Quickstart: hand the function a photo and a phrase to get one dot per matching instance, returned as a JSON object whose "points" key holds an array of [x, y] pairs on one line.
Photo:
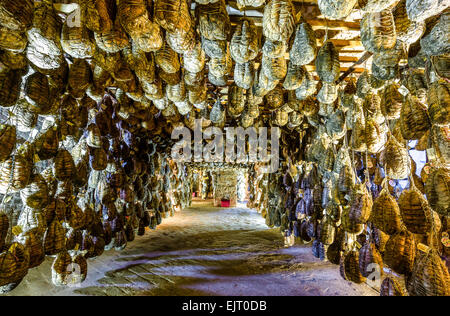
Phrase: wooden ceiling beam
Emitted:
{"points": [[321, 24], [317, 24], [348, 59], [305, 1], [342, 59], [343, 43], [343, 69], [318, 79], [353, 68]]}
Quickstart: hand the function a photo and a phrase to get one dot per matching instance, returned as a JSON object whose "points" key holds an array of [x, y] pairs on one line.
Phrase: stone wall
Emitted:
{"points": [[225, 187]]}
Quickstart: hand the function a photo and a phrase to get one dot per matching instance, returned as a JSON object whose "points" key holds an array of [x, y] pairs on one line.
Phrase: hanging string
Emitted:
{"points": [[405, 47], [365, 64], [385, 182], [60, 123], [346, 140], [354, 162], [2, 204], [9, 114], [366, 172], [11, 179]]}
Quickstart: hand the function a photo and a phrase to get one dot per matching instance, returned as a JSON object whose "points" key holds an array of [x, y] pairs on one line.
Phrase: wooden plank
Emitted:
{"points": [[321, 24], [317, 24], [237, 19], [342, 59], [343, 69], [343, 43], [345, 65], [305, 1], [354, 44], [366, 56], [348, 59], [353, 52], [318, 79]]}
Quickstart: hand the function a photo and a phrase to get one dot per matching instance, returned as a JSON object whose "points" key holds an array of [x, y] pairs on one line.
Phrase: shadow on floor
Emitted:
{"points": [[225, 239], [218, 258], [171, 277]]}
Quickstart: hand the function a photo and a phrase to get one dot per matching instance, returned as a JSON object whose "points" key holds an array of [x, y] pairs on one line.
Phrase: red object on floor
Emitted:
{"points": [[225, 203]]}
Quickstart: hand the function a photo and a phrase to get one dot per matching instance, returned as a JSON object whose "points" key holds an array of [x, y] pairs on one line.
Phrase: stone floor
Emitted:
{"points": [[204, 250]]}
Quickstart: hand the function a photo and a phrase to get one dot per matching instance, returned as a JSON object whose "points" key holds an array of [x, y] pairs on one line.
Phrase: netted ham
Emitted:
{"points": [[263, 84], [198, 97], [250, 3], [44, 49], [13, 41], [172, 15], [439, 103], [79, 78], [294, 77], [214, 49], [244, 75], [141, 63], [23, 118], [77, 41], [114, 40], [378, 32], [391, 101], [213, 21], [96, 16], [194, 59], [436, 42], [304, 48], [395, 159], [408, 31], [13, 60], [236, 101], [167, 59], [176, 93], [10, 82], [134, 17], [274, 68], [420, 10], [182, 41], [414, 120], [279, 20], [16, 15], [336, 10], [307, 88], [327, 63], [328, 94], [274, 49], [384, 73], [217, 114], [244, 45]]}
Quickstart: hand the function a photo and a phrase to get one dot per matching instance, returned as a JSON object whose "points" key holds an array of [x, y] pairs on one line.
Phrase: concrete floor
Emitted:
{"points": [[203, 251]]}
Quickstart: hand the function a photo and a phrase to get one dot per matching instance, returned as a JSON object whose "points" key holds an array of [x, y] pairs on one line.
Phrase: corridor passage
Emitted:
{"points": [[204, 250]]}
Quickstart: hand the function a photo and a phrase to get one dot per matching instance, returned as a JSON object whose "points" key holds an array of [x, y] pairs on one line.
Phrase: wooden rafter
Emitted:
{"points": [[322, 24], [353, 68], [343, 34], [312, 68]]}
